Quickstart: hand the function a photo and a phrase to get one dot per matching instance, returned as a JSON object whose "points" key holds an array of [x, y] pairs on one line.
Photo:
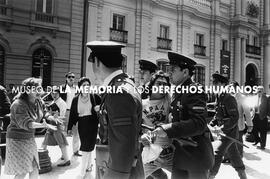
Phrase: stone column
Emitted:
{"points": [[266, 77], [237, 60], [243, 61], [238, 7], [244, 7], [266, 12]]}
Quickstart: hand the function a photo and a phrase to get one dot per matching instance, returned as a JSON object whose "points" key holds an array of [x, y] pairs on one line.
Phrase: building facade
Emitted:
{"points": [[229, 36], [40, 38]]}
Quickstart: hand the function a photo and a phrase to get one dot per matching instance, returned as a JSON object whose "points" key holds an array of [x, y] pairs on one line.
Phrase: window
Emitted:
{"points": [[164, 31], [3, 2], [45, 6], [248, 37], [41, 66], [118, 22], [225, 45], [2, 63], [199, 75], [200, 39], [255, 41]]}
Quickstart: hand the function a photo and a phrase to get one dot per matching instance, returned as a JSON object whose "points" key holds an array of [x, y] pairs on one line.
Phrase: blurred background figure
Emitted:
{"points": [[260, 119], [11, 94], [245, 118], [4, 119], [4, 107], [53, 138], [69, 89]]}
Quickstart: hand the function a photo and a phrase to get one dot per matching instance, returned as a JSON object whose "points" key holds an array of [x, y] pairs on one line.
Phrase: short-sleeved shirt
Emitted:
{"points": [[155, 112]]}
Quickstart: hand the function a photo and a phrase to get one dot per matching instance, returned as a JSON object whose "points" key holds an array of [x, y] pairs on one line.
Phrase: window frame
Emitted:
{"points": [[225, 44], [2, 78], [198, 76], [255, 41], [166, 28], [44, 7], [6, 2], [117, 15], [200, 41]]}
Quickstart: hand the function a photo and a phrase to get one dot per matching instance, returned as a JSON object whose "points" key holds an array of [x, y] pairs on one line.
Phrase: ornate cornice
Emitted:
{"points": [[42, 42]]}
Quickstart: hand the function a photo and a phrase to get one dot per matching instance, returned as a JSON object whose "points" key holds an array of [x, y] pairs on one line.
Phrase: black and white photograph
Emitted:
{"points": [[134, 89]]}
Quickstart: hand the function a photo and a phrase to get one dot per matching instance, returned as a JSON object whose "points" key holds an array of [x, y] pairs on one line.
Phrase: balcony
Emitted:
{"points": [[163, 43], [43, 17], [118, 35], [199, 50], [253, 50], [3, 10]]}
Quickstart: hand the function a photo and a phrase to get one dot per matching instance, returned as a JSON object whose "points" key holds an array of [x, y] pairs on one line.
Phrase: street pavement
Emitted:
{"points": [[256, 161]]}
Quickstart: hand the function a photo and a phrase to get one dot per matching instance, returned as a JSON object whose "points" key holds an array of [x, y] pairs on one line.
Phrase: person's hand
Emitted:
{"points": [[49, 126], [51, 118], [146, 139], [97, 108], [69, 132], [159, 132], [249, 128], [59, 120]]}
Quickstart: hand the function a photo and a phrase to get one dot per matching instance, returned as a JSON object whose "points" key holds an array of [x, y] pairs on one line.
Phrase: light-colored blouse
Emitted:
{"points": [[84, 109]]}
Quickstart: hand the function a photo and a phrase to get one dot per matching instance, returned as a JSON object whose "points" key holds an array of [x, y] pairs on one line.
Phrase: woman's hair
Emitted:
{"points": [[158, 74], [82, 80], [28, 83]]}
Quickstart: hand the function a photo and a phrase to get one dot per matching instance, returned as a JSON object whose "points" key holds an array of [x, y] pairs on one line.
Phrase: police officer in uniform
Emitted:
{"points": [[122, 111], [226, 118], [193, 149], [147, 69]]}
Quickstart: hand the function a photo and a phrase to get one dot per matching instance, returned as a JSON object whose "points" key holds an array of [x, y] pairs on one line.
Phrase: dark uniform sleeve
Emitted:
{"points": [[196, 124], [73, 114], [122, 110], [231, 120]]}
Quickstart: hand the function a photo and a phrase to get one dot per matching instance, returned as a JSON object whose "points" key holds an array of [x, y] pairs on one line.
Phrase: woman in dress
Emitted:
{"points": [[58, 109], [83, 110], [26, 113]]}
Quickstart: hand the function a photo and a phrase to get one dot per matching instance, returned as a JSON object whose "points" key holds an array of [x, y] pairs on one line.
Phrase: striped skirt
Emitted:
{"points": [[21, 156]]}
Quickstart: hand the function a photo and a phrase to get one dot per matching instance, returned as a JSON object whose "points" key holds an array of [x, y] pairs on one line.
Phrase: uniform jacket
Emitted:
{"points": [[123, 112], [227, 113], [189, 121]]}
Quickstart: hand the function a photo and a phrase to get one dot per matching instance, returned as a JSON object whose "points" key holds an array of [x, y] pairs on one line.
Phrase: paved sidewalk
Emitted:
{"points": [[257, 164]]}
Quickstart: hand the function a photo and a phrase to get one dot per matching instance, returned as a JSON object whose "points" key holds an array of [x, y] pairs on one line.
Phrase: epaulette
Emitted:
{"points": [[122, 79], [197, 85]]}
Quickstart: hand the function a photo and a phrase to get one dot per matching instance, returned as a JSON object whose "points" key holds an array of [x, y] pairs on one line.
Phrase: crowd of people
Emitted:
{"points": [[132, 124]]}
